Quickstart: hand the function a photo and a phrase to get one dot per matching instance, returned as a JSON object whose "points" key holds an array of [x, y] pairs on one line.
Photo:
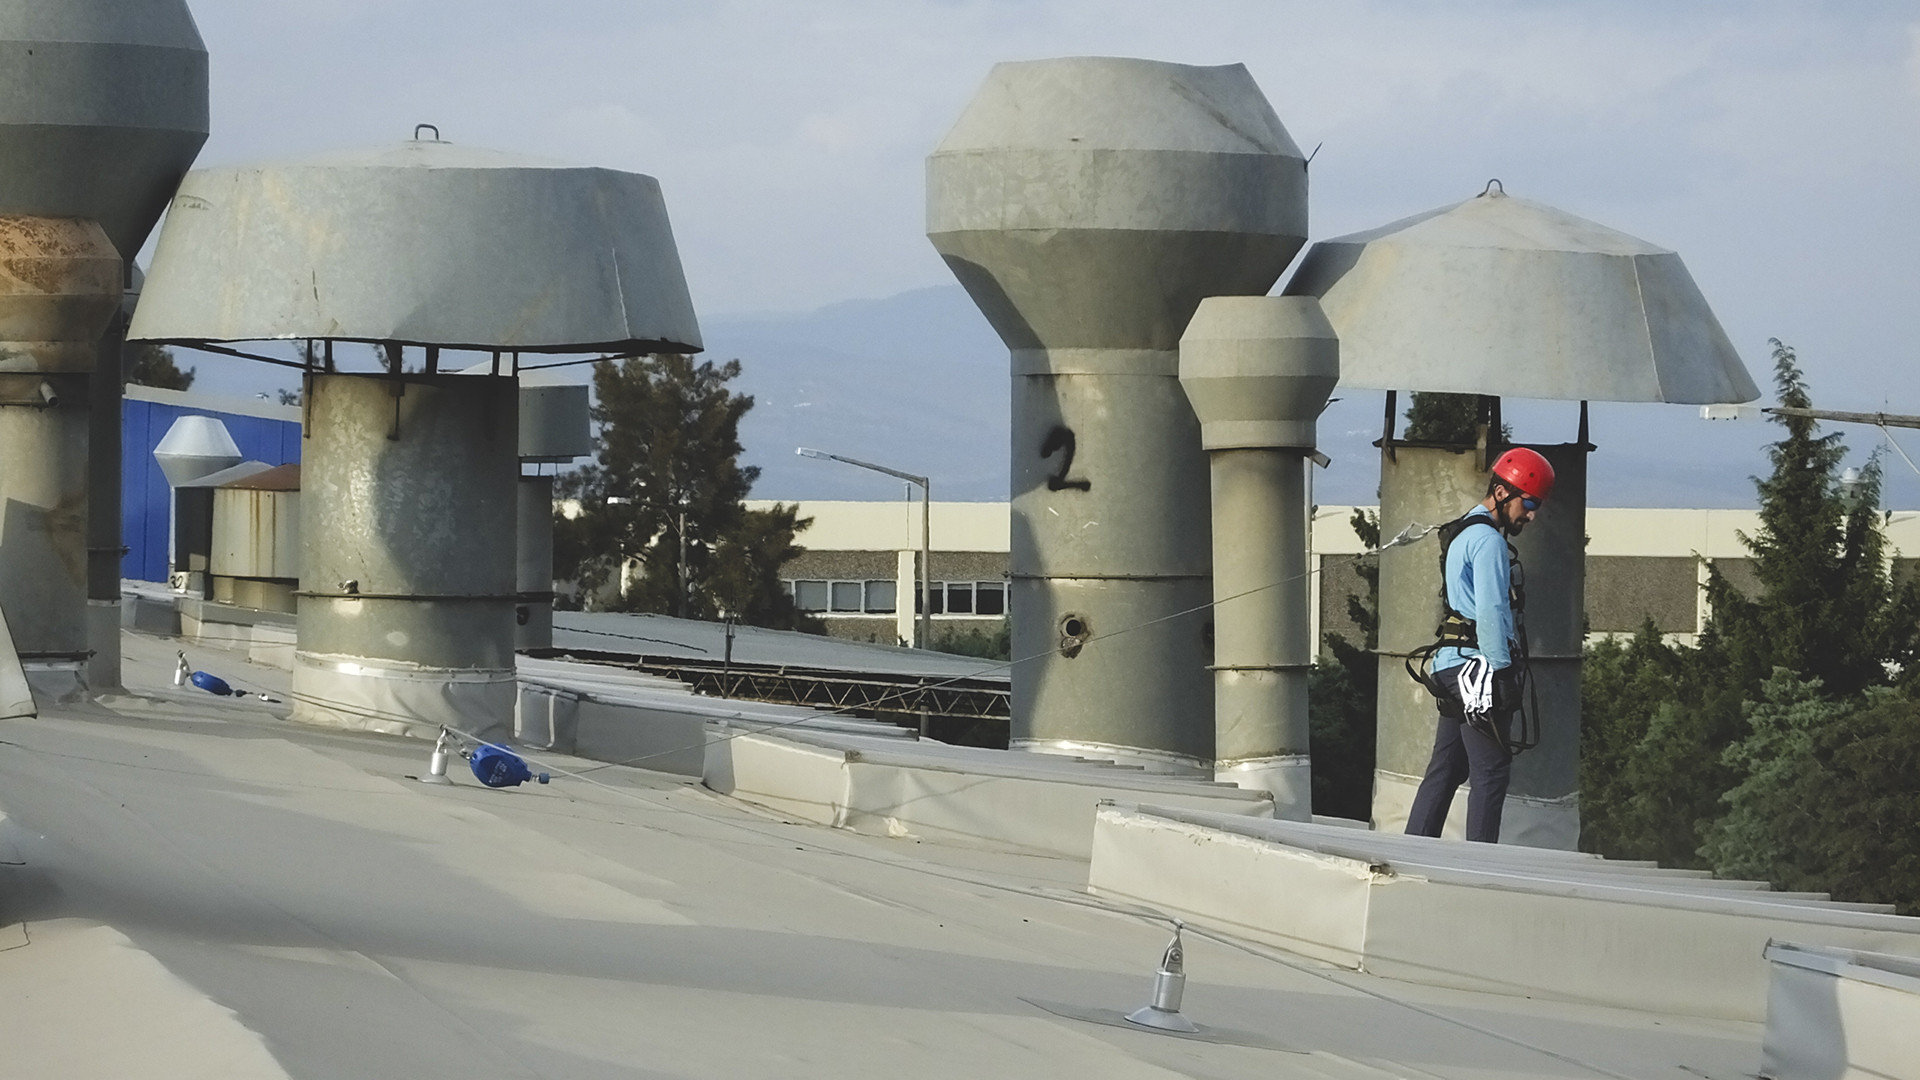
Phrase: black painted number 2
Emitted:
{"points": [[1061, 441]]}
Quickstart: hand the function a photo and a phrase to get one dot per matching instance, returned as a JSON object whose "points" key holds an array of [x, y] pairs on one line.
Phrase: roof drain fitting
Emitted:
{"points": [[1162, 1010]]}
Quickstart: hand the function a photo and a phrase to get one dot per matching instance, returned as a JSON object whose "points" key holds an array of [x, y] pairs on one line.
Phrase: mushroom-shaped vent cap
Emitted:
{"points": [[1092, 202], [1507, 297], [1258, 370], [103, 105], [424, 243]]}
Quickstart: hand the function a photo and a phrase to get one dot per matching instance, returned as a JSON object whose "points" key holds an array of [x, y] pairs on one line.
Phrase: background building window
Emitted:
{"points": [[846, 595], [810, 595], [959, 597], [882, 597], [990, 598], [937, 591]]}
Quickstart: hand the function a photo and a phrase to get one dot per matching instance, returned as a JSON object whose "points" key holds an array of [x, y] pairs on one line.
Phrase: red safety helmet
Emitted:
{"points": [[1525, 471]]}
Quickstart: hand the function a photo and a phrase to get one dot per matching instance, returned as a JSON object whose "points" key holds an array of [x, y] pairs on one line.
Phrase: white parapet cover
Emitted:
{"points": [[1488, 917], [1037, 803], [1843, 1014]]}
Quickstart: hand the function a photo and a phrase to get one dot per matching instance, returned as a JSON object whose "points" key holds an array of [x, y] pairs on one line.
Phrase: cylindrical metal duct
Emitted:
{"points": [[1088, 205], [1258, 371], [407, 569], [104, 543], [103, 104], [1430, 485], [533, 575], [59, 287]]}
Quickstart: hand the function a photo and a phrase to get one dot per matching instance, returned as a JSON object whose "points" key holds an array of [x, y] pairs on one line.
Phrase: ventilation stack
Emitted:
{"points": [[410, 491], [59, 288], [1088, 205], [555, 428], [103, 105], [1258, 370], [1499, 296]]}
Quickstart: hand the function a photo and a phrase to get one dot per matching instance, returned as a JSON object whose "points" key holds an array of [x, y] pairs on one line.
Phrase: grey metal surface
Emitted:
{"points": [[59, 288], [1258, 370], [105, 544], [1087, 205], [405, 564], [555, 423], [103, 105], [1503, 296], [533, 561], [1429, 485], [256, 533], [423, 242]]}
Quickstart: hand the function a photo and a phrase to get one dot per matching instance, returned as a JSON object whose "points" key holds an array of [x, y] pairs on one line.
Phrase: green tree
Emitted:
{"points": [[1828, 798], [994, 644], [153, 365], [1451, 419], [666, 491], [1623, 686], [1826, 607], [1343, 694], [1668, 732]]}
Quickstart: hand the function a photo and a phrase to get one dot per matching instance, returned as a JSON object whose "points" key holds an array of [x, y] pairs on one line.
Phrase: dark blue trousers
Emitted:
{"points": [[1461, 753]]}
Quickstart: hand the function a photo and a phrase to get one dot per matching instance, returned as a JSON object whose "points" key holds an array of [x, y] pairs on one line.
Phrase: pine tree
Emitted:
{"points": [[153, 365], [666, 491], [1343, 695], [1670, 732]]}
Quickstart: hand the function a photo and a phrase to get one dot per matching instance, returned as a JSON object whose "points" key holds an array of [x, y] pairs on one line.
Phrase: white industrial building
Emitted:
{"points": [[1641, 563]]}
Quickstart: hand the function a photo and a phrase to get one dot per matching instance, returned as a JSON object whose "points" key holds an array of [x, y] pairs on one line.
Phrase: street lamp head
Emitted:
{"points": [[808, 451]]}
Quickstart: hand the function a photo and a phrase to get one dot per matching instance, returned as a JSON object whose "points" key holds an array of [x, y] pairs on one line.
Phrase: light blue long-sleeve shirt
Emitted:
{"points": [[1478, 584]]}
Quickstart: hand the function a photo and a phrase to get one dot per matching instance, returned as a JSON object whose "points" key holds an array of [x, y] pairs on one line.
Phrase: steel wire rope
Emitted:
{"points": [[1891, 441], [1082, 900], [1143, 912], [1411, 533], [1408, 535]]}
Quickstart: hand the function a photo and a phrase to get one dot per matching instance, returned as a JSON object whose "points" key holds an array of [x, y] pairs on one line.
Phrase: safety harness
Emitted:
{"points": [[1458, 631]]}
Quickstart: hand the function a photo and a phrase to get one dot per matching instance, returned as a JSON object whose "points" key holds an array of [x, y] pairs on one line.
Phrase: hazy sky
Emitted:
{"points": [[1776, 146]]}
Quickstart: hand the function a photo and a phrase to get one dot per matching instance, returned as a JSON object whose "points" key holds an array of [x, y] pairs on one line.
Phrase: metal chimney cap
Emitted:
{"points": [[422, 243], [195, 447], [1258, 370], [103, 105], [1502, 296], [1091, 202]]}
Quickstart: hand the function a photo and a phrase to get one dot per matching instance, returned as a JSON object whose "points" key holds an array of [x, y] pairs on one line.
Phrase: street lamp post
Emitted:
{"points": [[926, 531]]}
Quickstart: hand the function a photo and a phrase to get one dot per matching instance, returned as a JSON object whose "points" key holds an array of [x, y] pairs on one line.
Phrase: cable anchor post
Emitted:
{"points": [[1162, 1010], [437, 763]]}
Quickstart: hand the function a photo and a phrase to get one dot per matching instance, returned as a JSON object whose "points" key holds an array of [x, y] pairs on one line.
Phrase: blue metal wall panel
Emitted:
{"points": [[143, 487]]}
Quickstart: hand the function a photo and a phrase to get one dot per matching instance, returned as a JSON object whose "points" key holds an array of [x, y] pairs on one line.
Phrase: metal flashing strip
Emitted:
{"points": [[1882, 969], [1841, 1013], [16, 697], [1114, 1018]]}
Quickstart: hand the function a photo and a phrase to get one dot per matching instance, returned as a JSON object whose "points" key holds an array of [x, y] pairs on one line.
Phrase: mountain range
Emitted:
{"points": [[918, 382]]}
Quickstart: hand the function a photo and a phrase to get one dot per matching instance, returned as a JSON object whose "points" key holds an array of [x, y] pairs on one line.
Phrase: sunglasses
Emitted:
{"points": [[1530, 504]]}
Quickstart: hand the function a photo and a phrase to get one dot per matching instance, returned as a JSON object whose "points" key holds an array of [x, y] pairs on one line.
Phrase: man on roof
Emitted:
{"points": [[1479, 662]]}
